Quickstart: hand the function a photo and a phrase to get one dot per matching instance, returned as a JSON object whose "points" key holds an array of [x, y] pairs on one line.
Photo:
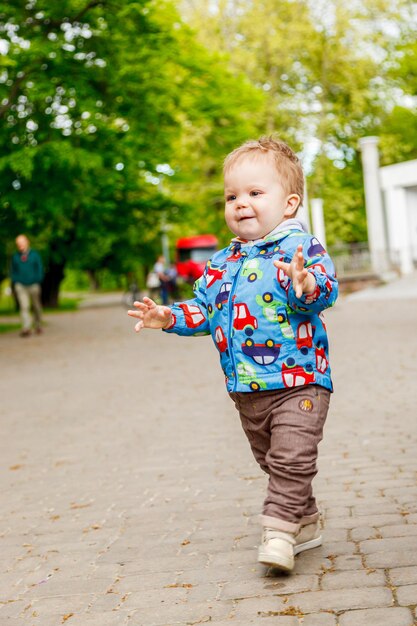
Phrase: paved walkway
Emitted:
{"points": [[404, 288], [129, 497]]}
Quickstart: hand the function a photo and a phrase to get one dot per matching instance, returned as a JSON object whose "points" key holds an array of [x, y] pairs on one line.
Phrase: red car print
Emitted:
{"points": [[293, 375], [242, 319], [193, 315], [320, 268], [221, 340], [321, 360], [282, 278], [312, 297], [304, 339], [235, 256]]}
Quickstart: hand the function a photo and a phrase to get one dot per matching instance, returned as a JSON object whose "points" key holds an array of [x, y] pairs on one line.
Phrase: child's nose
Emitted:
{"points": [[241, 202]]}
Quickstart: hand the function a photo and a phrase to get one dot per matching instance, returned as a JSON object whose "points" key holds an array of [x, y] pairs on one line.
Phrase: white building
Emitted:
{"points": [[391, 209]]}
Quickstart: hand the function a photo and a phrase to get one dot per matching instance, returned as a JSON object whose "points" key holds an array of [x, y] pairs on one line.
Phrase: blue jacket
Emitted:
{"points": [[267, 338]]}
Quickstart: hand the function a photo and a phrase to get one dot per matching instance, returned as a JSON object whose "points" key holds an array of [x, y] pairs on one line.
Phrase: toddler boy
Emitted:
{"points": [[261, 299]]}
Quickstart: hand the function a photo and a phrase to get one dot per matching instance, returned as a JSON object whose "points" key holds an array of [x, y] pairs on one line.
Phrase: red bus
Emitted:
{"points": [[193, 254]]}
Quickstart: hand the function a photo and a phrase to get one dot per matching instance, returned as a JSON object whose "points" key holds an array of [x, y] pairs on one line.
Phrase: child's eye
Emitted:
{"points": [[230, 198], [255, 193]]}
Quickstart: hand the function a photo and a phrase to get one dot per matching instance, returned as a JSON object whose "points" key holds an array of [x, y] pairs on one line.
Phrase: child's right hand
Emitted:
{"points": [[151, 315]]}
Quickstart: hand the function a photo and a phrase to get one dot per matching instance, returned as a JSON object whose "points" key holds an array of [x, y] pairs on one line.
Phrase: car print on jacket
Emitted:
{"points": [[220, 339], [242, 319], [193, 315], [251, 270], [262, 353], [321, 360], [294, 375], [247, 376], [214, 273], [268, 252], [284, 322], [283, 280], [304, 339], [276, 312], [269, 306], [223, 295], [320, 268], [315, 249], [236, 254]]}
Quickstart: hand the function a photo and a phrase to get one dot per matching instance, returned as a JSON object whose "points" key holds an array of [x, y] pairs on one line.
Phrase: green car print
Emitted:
{"points": [[210, 310], [251, 270], [246, 374], [276, 312]]}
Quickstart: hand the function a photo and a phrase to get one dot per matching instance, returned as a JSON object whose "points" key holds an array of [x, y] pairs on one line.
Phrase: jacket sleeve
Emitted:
{"points": [[191, 317], [326, 291]]}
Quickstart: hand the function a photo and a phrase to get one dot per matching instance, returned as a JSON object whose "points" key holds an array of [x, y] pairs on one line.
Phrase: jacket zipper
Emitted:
{"points": [[231, 317]]}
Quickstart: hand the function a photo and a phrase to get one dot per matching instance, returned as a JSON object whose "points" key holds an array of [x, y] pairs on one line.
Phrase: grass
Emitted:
{"points": [[7, 309], [65, 304], [7, 328]]}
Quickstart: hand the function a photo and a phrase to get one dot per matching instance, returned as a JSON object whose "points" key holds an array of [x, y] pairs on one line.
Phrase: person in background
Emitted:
{"points": [[26, 277], [161, 270], [172, 282]]}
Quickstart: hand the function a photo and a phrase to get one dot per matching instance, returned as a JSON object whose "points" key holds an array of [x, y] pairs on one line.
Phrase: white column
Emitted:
{"points": [[401, 217], [373, 202], [317, 215], [394, 227]]}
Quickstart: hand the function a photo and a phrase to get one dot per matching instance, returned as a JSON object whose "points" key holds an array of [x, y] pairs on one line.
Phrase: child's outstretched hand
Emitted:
{"points": [[303, 281], [151, 315]]}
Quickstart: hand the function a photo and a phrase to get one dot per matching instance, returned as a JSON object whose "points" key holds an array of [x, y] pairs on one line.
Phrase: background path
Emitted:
{"points": [[128, 494]]}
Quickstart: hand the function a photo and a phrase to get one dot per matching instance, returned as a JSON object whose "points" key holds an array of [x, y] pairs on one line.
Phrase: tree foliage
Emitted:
{"points": [[115, 115], [329, 73], [96, 100]]}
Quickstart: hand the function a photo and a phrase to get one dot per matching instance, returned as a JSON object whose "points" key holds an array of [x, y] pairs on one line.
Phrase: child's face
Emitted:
{"points": [[255, 199]]}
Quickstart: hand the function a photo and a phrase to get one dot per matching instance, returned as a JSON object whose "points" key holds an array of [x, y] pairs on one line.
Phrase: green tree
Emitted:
{"points": [[323, 67], [97, 100], [398, 126]]}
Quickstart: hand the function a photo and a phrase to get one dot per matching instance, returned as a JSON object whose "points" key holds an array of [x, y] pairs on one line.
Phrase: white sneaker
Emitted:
{"points": [[309, 536], [277, 549]]}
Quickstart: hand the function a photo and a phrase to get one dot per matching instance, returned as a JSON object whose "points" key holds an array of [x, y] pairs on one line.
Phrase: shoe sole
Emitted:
{"points": [[308, 545], [268, 559]]}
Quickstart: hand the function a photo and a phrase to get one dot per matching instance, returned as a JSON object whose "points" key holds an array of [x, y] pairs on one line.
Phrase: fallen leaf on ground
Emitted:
{"points": [[74, 505]]}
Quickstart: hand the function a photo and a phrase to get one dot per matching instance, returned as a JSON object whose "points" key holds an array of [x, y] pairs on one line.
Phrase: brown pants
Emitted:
{"points": [[284, 428]]}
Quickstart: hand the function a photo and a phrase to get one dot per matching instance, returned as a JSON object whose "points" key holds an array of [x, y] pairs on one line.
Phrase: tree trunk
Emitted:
{"points": [[93, 278], [51, 283]]}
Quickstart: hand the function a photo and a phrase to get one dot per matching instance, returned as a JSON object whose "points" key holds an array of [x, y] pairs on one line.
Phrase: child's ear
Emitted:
{"points": [[293, 202]]}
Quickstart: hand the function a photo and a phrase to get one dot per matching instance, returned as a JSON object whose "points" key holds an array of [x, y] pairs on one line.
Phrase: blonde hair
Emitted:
{"points": [[287, 163]]}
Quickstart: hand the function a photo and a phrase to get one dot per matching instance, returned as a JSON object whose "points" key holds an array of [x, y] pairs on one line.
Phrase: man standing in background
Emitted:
{"points": [[26, 276]]}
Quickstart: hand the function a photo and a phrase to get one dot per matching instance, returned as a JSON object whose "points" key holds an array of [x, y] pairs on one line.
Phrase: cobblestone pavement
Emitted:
{"points": [[129, 496]]}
